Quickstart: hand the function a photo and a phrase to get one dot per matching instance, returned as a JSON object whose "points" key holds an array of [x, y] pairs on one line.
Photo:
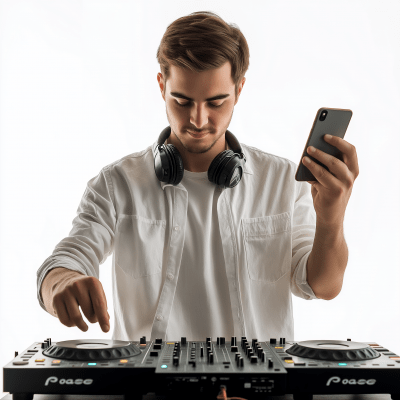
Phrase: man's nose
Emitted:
{"points": [[199, 116]]}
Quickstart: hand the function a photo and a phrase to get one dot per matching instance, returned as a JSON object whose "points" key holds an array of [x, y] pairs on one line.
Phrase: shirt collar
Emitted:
{"points": [[246, 168]]}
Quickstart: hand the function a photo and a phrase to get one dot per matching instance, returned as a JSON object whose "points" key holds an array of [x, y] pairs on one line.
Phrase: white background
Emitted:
{"points": [[78, 90]]}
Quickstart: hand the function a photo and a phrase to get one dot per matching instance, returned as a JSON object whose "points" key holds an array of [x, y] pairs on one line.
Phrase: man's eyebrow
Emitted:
{"points": [[182, 96]]}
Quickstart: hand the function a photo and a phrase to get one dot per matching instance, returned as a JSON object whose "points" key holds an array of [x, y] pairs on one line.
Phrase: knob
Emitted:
{"points": [[253, 359], [349, 340], [270, 363], [218, 340], [201, 351], [281, 341], [183, 340], [16, 353], [175, 361], [253, 342], [263, 356], [211, 358], [241, 362], [234, 349], [272, 341], [233, 341], [143, 340], [158, 341], [157, 347], [208, 339], [237, 355], [222, 340]]}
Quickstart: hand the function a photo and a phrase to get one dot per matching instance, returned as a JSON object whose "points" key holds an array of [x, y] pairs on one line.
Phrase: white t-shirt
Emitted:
{"points": [[201, 301]]}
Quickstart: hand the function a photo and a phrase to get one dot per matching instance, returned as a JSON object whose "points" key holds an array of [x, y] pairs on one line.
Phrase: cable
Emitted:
{"points": [[223, 395]]}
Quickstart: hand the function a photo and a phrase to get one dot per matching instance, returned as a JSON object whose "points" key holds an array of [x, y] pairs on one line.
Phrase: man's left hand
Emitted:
{"points": [[332, 189]]}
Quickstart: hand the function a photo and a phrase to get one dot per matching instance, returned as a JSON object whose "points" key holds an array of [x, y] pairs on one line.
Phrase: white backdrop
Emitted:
{"points": [[78, 90]]}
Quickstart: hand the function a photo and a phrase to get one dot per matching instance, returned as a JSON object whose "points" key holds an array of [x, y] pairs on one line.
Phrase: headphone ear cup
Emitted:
{"points": [[216, 168], [176, 164]]}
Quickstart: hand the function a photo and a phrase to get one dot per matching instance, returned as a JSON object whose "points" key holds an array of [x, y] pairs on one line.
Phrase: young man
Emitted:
{"points": [[194, 256]]}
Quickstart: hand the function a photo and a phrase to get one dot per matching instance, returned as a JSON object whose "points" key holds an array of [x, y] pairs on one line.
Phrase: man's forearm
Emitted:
{"points": [[327, 262]]}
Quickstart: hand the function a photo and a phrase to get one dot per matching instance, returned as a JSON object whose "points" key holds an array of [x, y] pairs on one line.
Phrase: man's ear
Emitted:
{"points": [[240, 90], [161, 83]]}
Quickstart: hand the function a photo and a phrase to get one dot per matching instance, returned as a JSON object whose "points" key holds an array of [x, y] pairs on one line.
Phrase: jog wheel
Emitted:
{"points": [[92, 349], [333, 350]]}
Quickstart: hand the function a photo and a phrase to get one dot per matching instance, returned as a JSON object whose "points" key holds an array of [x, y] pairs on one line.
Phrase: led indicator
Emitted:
{"points": [[342, 364], [92, 363], [164, 366]]}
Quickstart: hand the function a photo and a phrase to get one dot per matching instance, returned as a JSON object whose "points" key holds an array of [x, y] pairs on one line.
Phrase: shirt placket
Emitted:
{"points": [[177, 198], [229, 245]]}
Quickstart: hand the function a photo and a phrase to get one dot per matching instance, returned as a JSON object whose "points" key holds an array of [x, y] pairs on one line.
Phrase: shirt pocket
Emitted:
{"points": [[139, 245], [267, 246]]}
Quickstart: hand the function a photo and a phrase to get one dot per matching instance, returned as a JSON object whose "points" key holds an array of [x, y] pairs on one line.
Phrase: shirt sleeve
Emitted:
{"points": [[91, 239], [303, 232]]}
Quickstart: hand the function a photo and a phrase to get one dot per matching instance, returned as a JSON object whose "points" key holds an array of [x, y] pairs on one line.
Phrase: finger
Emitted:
{"points": [[85, 302], [324, 177], [336, 167], [99, 304], [75, 316], [348, 150]]}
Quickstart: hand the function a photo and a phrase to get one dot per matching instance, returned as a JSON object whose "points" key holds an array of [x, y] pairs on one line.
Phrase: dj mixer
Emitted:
{"points": [[246, 369]]}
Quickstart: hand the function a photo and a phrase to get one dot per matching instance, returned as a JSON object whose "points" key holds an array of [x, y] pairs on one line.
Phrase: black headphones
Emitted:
{"points": [[226, 169]]}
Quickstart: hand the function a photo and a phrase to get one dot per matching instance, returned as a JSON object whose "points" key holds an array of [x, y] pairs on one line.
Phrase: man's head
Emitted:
{"points": [[201, 57]]}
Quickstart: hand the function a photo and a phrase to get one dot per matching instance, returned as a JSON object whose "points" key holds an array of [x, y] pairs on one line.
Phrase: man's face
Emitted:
{"points": [[196, 118]]}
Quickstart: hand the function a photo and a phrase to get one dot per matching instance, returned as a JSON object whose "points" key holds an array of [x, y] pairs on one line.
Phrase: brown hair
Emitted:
{"points": [[202, 41]]}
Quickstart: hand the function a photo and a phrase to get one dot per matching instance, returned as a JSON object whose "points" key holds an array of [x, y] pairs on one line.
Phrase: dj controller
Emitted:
{"points": [[245, 369]]}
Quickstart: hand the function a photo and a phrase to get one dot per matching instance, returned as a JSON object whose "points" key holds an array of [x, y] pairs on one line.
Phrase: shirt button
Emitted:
{"points": [[170, 277], [176, 228], [159, 317]]}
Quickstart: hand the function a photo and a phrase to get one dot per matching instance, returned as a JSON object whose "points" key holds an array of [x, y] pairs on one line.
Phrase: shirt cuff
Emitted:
{"points": [[303, 289]]}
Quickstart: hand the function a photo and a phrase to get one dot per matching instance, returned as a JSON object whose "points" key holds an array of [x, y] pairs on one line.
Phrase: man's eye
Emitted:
{"points": [[186, 104]]}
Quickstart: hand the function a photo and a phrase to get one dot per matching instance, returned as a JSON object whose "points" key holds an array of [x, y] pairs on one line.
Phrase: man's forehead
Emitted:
{"points": [[217, 80]]}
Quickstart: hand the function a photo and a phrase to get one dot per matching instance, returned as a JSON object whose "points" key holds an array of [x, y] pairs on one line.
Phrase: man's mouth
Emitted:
{"points": [[197, 135]]}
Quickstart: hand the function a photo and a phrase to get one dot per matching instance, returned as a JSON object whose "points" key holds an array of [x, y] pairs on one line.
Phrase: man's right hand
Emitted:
{"points": [[77, 290]]}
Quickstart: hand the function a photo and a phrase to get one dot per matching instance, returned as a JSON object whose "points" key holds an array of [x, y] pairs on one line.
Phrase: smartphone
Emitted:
{"points": [[332, 121]]}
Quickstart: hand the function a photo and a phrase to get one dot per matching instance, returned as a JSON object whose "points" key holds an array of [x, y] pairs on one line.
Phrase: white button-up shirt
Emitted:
{"points": [[267, 227]]}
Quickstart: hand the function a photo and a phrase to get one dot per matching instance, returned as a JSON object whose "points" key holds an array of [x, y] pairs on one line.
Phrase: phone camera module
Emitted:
{"points": [[323, 115]]}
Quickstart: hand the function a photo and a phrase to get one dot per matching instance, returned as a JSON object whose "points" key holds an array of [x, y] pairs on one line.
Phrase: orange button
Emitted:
{"points": [[289, 361], [39, 360], [123, 361], [56, 361], [395, 358], [279, 347]]}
